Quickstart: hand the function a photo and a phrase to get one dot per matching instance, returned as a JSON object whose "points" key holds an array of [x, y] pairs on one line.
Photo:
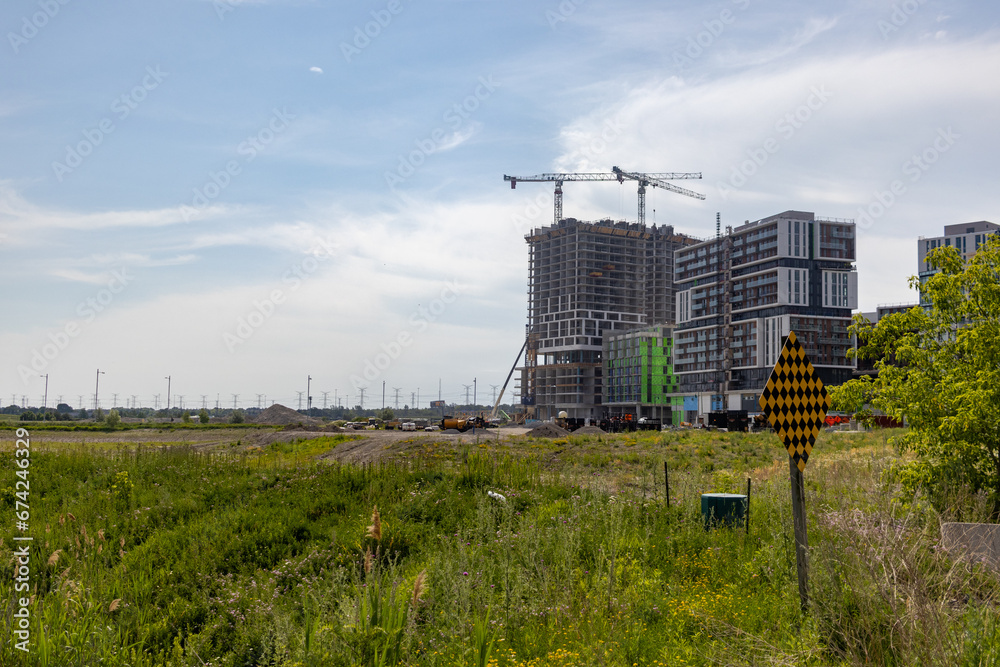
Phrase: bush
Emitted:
{"points": [[113, 418], [238, 417], [203, 416]]}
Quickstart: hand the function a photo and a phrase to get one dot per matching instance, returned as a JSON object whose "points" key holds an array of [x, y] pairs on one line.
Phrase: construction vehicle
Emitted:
{"points": [[462, 424]]}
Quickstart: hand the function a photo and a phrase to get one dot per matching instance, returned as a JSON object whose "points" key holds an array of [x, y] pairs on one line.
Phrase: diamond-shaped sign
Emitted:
{"points": [[794, 401]]}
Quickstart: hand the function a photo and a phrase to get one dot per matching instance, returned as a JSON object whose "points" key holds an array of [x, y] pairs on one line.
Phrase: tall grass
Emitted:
{"points": [[176, 557]]}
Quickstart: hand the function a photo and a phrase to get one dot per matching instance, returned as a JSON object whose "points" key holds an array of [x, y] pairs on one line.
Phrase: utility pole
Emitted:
{"points": [[474, 399], [309, 398], [412, 404], [439, 389], [467, 388], [97, 385], [45, 399], [168, 391], [217, 395], [325, 394], [383, 394], [418, 398], [396, 389]]}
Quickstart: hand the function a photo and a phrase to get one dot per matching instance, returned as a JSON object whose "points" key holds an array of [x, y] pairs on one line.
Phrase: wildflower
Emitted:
{"points": [[375, 530]]}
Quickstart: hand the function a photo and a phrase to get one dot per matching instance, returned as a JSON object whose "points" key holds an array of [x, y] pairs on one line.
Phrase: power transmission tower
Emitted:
{"points": [[181, 402], [260, 397], [114, 400], [156, 402], [362, 399], [133, 401], [467, 388], [325, 394], [236, 397], [494, 387], [396, 389], [300, 393], [204, 401]]}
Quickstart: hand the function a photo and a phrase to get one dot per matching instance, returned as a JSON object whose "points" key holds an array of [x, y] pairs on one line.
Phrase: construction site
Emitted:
{"points": [[638, 323]]}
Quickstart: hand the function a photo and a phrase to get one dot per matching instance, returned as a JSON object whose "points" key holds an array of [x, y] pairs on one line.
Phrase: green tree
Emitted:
{"points": [[113, 418], [203, 416], [238, 417], [186, 417], [939, 369]]}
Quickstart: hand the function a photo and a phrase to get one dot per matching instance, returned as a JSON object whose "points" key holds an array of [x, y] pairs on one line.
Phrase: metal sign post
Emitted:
{"points": [[795, 403]]}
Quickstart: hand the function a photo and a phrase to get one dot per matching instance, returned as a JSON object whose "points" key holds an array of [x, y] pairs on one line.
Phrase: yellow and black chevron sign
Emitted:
{"points": [[795, 401]]}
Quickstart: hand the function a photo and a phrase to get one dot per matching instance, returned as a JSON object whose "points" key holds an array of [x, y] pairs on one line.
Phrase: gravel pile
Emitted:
{"points": [[547, 431], [589, 430], [279, 415]]}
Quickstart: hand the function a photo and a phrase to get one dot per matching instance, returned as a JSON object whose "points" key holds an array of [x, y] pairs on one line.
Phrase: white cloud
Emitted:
{"points": [[317, 70]]}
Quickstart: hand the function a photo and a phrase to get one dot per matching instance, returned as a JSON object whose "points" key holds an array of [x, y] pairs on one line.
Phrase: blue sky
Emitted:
{"points": [[242, 194]]}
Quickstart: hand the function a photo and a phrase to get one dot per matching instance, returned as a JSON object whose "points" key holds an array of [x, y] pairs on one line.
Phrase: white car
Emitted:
{"points": [[432, 427]]}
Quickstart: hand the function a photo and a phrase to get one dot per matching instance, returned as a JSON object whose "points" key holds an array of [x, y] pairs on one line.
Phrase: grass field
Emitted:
{"points": [[171, 555]]}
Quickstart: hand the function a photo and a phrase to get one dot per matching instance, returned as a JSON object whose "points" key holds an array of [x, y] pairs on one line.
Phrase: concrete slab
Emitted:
{"points": [[977, 541]]}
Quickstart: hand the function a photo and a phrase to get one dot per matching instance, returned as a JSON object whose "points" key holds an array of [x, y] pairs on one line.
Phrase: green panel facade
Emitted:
{"points": [[638, 367]]}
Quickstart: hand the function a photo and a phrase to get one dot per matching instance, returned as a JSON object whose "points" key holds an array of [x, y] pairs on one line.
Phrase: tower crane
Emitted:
{"points": [[658, 180]]}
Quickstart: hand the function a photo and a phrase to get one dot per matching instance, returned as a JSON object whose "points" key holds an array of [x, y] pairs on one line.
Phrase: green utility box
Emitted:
{"points": [[723, 509]]}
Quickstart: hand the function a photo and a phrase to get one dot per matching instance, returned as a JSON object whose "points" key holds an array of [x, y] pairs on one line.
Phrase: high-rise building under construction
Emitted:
{"points": [[586, 279]]}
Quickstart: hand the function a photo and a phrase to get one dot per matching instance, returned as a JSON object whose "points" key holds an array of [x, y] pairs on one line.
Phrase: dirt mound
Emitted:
{"points": [[589, 430], [279, 415], [450, 431], [547, 431]]}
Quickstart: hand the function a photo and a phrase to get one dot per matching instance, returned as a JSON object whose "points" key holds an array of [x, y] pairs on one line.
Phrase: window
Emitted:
{"points": [[797, 281], [836, 291]]}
